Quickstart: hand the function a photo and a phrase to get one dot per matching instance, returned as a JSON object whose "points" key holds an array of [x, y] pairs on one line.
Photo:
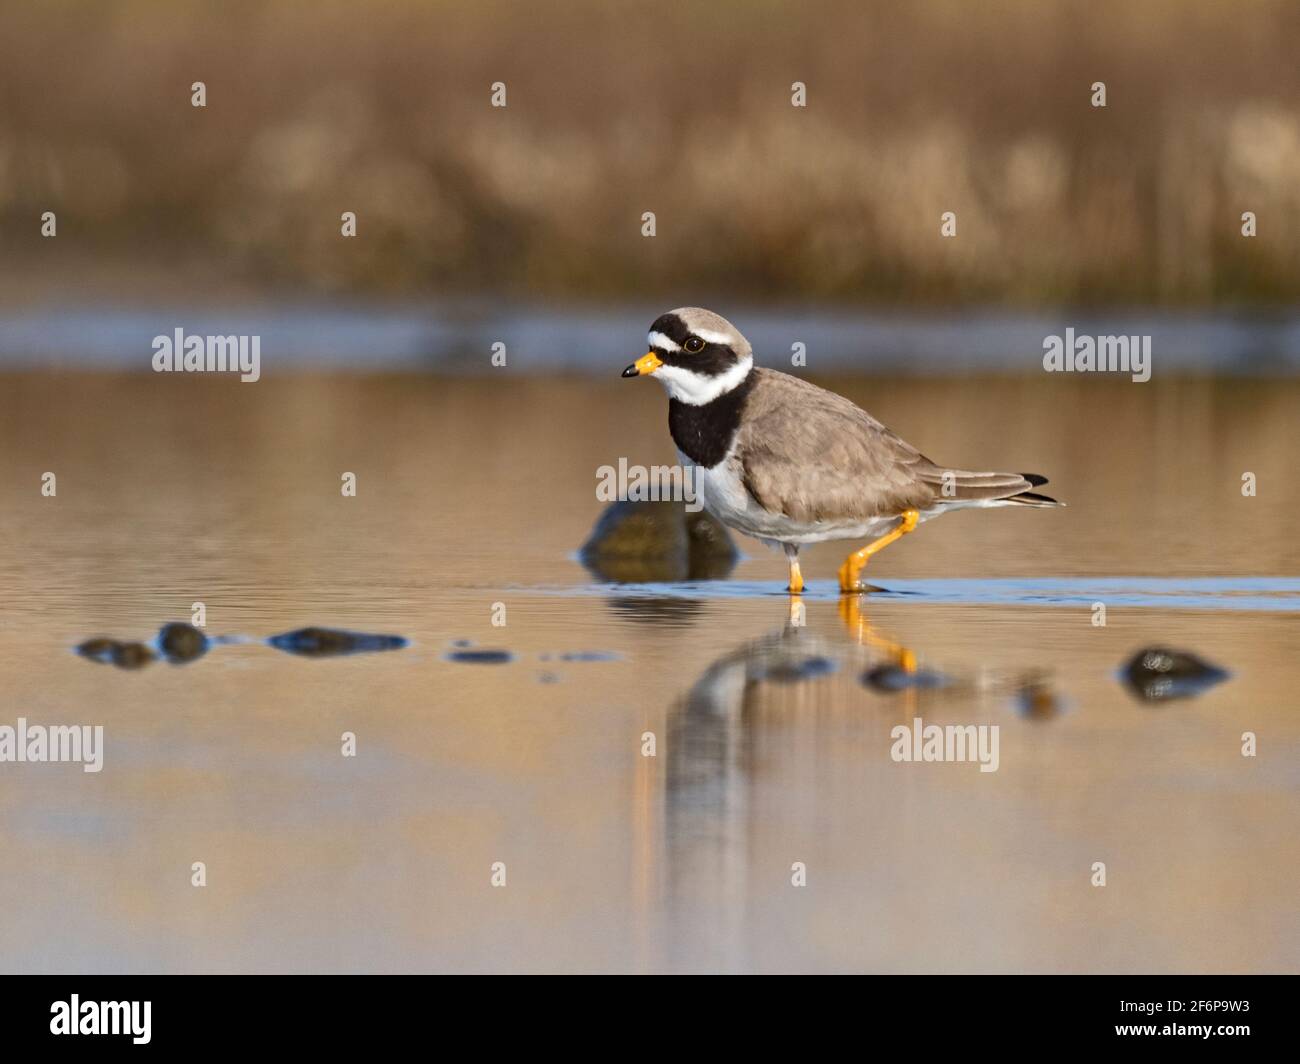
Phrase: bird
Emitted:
{"points": [[778, 458]]}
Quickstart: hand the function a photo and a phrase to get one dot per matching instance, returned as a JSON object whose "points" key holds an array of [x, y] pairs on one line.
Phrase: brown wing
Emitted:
{"points": [[814, 456]]}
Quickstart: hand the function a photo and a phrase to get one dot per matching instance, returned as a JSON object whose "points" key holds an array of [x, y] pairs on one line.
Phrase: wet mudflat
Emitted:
{"points": [[522, 743]]}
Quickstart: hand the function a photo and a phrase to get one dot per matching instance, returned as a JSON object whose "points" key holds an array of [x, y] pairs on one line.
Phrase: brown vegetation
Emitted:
{"points": [[683, 109]]}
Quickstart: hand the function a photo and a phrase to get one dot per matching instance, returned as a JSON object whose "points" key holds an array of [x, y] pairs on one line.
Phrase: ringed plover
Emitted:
{"points": [[790, 463]]}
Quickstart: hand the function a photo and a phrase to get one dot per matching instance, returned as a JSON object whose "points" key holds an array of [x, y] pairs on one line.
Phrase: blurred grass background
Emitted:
{"points": [[683, 109]]}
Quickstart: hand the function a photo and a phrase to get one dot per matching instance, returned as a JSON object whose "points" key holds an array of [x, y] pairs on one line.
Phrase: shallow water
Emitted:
{"points": [[772, 748]]}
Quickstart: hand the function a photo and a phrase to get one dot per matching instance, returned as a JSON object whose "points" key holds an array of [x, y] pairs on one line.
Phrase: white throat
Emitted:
{"points": [[696, 389]]}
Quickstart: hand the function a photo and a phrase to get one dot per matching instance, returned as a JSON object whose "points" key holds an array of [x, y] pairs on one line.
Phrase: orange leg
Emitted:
{"points": [[796, 577], [851, 570]]}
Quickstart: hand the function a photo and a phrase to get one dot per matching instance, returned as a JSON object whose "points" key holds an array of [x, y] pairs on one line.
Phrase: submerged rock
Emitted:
{"points": [[649, 542], [111, 652], [131, 655], [481, 657], [889, 679], [1158, 674], [181, 643], [99, 649], [332, 642]]}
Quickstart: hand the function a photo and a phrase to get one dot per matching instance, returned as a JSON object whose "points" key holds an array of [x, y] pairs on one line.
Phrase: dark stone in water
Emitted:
{"points": [[98, 649], [890, 679], [656, 542], [131, 655], [111, 652], [181, 643], [1158, 674], [586, 655], [796, 671], [480, 657], [332, 642]]}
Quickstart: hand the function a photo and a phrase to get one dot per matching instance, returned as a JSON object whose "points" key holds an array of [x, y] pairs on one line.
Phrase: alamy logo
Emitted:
{"points": [[179, 353], [1098, 354], [637, 483], [76, 743], [954, 742], [102, 1017]]}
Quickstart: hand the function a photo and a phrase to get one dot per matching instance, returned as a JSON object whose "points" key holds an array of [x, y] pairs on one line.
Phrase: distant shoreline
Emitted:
{"points": [[305, 335]]}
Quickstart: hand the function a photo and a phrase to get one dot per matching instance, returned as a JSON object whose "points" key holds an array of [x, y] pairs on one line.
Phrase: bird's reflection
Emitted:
{"points": [[783, 700], [734, 718], [712, 750]]}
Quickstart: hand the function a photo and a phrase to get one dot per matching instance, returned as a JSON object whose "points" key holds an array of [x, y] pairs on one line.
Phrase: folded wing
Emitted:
{"points": [[814, 456]]}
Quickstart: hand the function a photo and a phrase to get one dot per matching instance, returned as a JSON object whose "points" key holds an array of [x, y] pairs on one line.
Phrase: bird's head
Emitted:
{"points": [[695, 354]]}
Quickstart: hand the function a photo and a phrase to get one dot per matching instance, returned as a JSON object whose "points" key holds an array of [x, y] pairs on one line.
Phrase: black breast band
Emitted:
{"points": [[704, 433]]}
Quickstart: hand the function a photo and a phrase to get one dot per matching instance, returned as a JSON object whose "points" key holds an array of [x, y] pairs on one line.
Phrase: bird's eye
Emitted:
{"points": [[694, 345]]}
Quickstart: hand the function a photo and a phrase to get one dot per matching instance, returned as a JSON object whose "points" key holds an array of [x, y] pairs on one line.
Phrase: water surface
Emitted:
{"points": [[771, 748]]}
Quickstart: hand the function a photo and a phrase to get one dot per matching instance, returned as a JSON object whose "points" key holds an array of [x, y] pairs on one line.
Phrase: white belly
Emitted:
{"points": [[723, 494]]}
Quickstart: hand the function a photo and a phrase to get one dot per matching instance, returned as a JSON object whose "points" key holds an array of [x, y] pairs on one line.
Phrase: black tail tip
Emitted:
{"points": [[1034, 479], [1032, 498]]}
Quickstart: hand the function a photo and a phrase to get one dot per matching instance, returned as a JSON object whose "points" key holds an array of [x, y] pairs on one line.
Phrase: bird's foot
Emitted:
{"points": [[851, 570], [850, 574]]}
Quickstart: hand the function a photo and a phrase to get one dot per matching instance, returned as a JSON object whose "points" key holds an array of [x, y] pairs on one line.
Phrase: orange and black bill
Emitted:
{"points": [[647, 363]]}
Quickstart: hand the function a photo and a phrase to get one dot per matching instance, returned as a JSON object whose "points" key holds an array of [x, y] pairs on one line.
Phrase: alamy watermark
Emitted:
{"points": [[75, 743], [638, 483], [74, 1016], [952, 742], [1098, 354], [179, 353]]}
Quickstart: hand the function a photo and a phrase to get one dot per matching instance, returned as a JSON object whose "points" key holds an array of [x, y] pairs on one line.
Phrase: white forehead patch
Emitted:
{"points": [[659, 340]]}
